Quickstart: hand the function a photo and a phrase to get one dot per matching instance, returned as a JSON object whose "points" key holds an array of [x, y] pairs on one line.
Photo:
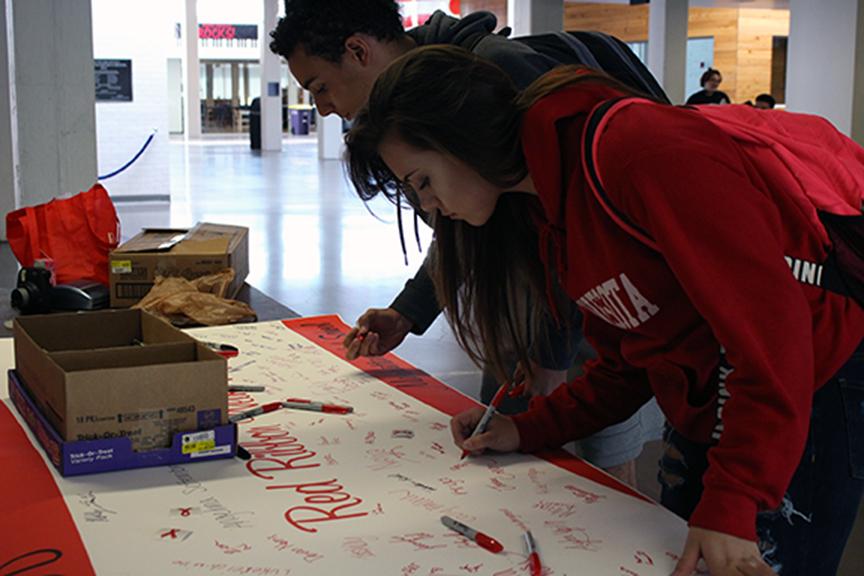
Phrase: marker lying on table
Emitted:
{"points": [[301, 404], [533, 557], [480, 538], [487, 415], [255, 412], [245, 388], [224, 350]]}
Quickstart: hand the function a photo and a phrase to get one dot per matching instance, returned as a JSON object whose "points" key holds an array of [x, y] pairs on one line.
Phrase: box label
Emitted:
{"points": [[121, 266], [199, 442]]}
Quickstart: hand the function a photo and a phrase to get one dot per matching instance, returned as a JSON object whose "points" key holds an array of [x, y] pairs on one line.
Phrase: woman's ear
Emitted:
{"points": [[357, 48]]}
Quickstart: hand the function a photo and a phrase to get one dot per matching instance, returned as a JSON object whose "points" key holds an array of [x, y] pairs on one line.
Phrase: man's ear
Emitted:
{"points": [[358, 49]]}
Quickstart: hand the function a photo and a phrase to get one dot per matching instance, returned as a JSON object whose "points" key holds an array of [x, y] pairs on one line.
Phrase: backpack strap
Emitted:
{"points": [[597, 120]]}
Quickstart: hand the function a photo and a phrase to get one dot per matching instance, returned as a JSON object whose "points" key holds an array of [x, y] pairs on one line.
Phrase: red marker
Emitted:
{"points": [[224, 350], [490, 411], [480, 538], [302, 404], [255, 411], [533, 557]]}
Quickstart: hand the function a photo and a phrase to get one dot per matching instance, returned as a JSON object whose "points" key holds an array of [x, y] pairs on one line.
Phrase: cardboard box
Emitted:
{"points": [[121, 373], [190, 253], [91, 456]]}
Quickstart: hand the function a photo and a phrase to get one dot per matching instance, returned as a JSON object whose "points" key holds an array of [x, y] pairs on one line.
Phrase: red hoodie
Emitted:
{"points": [[659, 321]]}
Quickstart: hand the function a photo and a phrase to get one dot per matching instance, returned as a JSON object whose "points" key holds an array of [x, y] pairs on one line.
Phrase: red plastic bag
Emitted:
{"points": [[77, 233]]}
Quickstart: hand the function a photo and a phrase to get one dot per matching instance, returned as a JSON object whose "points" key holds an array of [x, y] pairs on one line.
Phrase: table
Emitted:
{"points": [[327, 494]]}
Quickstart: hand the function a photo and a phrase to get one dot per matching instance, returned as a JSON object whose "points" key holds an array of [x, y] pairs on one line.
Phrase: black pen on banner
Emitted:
{"points": [[245, 388]]}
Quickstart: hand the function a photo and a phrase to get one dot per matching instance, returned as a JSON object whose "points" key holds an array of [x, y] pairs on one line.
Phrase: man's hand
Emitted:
{"points": [[501, 433], [723, 554], [377, 331]]}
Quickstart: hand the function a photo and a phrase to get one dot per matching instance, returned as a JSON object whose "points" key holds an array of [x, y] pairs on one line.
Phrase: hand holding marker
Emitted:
{"points": [[490, 411]]}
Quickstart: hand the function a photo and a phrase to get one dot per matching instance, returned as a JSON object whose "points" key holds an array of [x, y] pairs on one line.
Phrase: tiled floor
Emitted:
{"points": [[315, 248]]}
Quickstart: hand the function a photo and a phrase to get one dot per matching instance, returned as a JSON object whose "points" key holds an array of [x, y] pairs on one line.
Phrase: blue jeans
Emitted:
{"points": [[806, 535]]}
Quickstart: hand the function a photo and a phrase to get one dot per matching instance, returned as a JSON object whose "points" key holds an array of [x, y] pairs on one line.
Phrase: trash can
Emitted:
{"points": [[300, 119], [255, 124]]}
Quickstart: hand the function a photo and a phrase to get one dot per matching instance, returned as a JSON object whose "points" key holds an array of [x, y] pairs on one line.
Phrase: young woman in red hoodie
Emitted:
{"points": [[757, 374]]}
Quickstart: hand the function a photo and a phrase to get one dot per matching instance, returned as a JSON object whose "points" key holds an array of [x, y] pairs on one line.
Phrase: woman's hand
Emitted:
{"points": [[723, 554], [501, 433], [377, 331]]}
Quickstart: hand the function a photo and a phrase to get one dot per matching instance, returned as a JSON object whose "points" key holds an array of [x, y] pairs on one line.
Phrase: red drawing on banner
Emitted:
{"points": [[383, 459], [573, 537], [358, 547], [534, 475], [500, 486], [274, 450], [172, 534], [459, 466], [378, 509], [280, 543], [416, 539], [515, 519], [627, 571], [410, 569], [438, 426], [471, 569], [558, 509], [349, 423], [460, 541], [673, 556], [326, 501], [319, 421], [455, 486], [228, 549], [643, 558], [334, 441], [370, 438], [584, 495], [330, 460], [379, 395], [185, 512], [438, 448], [340, 386]]}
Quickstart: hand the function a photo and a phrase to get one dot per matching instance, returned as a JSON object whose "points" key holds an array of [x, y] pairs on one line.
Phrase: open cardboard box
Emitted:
{"points": [[120, 374], [189, 253]]}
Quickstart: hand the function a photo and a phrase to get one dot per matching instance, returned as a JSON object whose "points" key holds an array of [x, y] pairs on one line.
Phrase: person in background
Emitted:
{"points": [[765, 102], [759, 374], [710, 93], [336, 49]]}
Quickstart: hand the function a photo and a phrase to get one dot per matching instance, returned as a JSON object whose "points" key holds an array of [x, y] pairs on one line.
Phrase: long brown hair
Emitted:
{"points": [[446, 99]]}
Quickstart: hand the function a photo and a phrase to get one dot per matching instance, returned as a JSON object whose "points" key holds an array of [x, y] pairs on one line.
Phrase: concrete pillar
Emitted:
{"points": [[824, 68], [528, 17], [329, 137], [191, 73], [47, 106], [271, 92], [667, 45], [10, 186], [857, 132]]}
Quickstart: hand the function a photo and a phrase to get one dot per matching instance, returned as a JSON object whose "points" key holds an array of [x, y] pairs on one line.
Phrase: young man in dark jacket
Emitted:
{"points": [[336, 49]]}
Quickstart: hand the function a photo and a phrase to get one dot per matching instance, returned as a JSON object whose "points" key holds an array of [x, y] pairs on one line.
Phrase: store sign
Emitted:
{"points": [[417, 12], [229, 35], [113, 80]]}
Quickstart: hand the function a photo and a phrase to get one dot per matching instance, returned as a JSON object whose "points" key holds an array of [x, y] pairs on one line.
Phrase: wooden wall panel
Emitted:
{"points": [[742, 37], [722, 24], [756, 31], [629, 23], [497, 7]]}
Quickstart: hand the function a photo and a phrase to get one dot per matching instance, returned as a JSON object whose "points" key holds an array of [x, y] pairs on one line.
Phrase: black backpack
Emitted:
{"points": [[592, 49]]}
